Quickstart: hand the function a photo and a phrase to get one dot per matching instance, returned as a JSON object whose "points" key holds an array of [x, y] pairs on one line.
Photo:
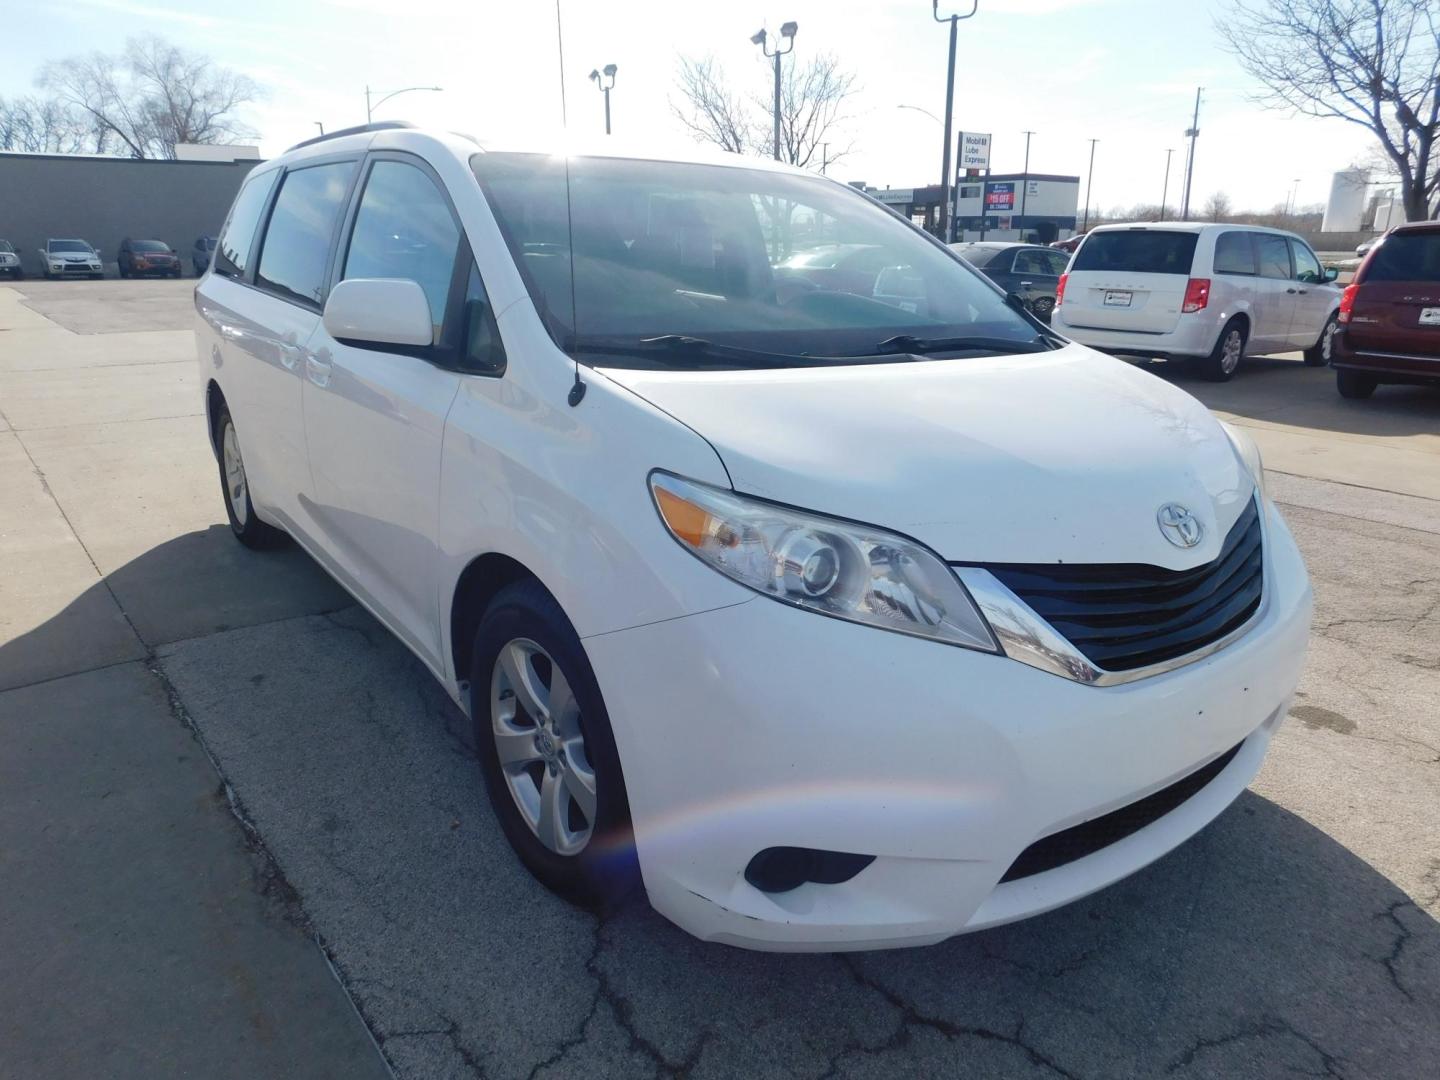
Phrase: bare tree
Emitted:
{"points": [[812, 104], [812, 110], [36, 125], [153, 96], [1218, 207], [709, 110], [1375, 63]]}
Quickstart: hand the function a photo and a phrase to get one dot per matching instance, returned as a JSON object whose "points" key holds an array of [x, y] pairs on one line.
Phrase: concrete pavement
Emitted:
{"points": [[1296, 934]]}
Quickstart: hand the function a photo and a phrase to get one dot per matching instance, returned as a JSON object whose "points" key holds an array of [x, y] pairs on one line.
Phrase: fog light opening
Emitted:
{"points": [[781, 869]]}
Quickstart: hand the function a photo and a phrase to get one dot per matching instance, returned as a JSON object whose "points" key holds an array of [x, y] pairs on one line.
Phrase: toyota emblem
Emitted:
{"points": [[1179, 525]]}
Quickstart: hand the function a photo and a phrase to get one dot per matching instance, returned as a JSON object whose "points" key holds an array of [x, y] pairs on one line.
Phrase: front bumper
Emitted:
{"points": [[759, 725], [1194, 335]]}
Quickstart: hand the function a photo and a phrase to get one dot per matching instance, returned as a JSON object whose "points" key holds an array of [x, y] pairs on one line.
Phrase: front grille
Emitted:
{"points": [[1090, 836], [1123, 616]]}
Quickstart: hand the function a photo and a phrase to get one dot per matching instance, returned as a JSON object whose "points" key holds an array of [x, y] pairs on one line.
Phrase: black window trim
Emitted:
{"points": [[449, 352]]}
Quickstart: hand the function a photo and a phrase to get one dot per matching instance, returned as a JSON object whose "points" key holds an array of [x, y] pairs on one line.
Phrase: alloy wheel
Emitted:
{"points": [[1230, 354], [234, 474], [535, 722]]}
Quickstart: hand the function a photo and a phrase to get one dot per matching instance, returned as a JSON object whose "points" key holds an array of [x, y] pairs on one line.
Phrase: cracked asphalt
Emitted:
{"points": [[1297, 934]]}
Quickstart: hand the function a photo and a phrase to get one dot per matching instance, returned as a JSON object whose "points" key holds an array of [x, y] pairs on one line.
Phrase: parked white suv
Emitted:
{"points": [[70, 258], [1208, 294], [841, 610]]}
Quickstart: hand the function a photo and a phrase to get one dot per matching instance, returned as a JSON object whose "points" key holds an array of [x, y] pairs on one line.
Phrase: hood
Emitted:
{"points": [[1054, 457]]}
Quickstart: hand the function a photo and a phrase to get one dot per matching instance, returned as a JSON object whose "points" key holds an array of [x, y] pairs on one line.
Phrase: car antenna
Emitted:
{"points": [[577, 388]]}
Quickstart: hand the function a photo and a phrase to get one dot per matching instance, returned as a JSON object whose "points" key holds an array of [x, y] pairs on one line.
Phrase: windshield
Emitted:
{"points": [[1139, 251], [70, 245], [741, 258], [5, 246], [149, 245]]}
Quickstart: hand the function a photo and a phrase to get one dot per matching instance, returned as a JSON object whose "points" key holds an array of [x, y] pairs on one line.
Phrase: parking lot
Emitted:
{"points": [[338, 900]]}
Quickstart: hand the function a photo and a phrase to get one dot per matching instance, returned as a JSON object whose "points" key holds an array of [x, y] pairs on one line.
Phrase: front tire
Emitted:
{"points": [[1353, 385], [1320, 354], [235, 488], [1224, 359], [547, 752]]}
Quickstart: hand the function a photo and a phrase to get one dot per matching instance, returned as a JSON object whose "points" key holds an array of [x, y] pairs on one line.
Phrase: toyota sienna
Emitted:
{"points": [[832, 611]]}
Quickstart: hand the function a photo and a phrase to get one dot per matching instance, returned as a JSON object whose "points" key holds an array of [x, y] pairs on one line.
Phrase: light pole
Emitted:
{"points": [[787, 31], [1025, 191], [1192, 133], [1295, 197], [1089, 182], [1165, 191], [918, 109], [605, 88], [370, 109], [954, 20], [320, 126]]}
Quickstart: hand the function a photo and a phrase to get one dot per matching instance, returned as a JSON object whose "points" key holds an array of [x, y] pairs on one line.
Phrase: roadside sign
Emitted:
{"points": [[1000, 195], [974, 150]]}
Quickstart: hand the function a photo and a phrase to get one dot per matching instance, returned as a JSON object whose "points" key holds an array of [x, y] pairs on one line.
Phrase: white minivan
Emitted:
{"points": [[829, 610], [1207, 294]]}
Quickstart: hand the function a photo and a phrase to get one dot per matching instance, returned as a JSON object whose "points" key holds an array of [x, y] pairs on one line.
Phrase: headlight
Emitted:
{"points": [[832, 567], [1249, 453]]}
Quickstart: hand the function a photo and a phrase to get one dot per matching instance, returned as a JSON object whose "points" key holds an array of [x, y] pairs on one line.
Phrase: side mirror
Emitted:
{"points": [[379, 311], [1331, 273]]}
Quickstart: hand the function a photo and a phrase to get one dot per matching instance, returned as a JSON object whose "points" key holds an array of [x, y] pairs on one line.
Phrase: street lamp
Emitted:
{"points": [[787, 31], [598, 77], [370, 109], [918, 109], [1165, 191], [954, 21]]}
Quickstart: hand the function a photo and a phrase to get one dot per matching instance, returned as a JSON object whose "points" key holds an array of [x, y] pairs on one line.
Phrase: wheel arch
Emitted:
{"points": [[214, 398], [483, 577]]}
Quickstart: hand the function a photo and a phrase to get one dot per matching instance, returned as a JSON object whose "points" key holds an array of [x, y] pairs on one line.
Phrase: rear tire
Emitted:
{"points": [[235, 488], [1224, 360], [1353, 385], [523, 644], [1319, 354]]}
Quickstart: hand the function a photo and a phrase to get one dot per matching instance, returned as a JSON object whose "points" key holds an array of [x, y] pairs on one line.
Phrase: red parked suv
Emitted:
{"points": [[1390, 314]]}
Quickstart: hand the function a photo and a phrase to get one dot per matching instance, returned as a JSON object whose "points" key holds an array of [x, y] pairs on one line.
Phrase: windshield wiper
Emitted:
{"points": [[909, 343], [682, 350]]}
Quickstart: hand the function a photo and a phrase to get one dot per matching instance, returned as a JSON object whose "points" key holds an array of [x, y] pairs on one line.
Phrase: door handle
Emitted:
{"points": [[1026, 284], [317, 369], [289, 354], [1303, 292], [1291, 290]]}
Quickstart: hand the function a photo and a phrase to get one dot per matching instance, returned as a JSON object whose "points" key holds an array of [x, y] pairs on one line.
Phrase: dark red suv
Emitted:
{"points": [[1390, 314]]}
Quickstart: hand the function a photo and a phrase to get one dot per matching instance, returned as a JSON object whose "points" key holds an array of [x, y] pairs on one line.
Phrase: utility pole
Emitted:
{"points": [[787, 31], [1165, 191], [1025, 191], [1192, 133], [1089, 183], [954, 20]]}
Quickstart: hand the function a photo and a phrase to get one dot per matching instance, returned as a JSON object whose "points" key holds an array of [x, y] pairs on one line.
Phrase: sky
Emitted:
{"points": [[1120, 71]]}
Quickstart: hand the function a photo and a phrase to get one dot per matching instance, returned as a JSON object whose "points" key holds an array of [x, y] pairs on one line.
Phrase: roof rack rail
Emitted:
{"points": [[358, 129]]}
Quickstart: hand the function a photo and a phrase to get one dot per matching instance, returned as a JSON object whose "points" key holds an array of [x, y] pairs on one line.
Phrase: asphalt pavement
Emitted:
{"points": [[242, 832]]}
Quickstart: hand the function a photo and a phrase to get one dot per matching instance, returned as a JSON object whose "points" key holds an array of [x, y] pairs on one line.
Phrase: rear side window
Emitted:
{"points": [[1273, 256], [1137, 251], [1406, 257], [232, 254], [296, 249], [404, 229], [1234, 254], [1045, 263]]}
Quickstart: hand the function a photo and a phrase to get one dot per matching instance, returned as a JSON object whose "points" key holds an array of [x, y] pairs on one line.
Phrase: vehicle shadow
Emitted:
{"points": [[1260, 948], [1284, 391]]}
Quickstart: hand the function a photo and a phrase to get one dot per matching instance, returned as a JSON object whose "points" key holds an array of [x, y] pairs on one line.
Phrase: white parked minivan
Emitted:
{"points": [[1207, 294], [830, 610]]}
